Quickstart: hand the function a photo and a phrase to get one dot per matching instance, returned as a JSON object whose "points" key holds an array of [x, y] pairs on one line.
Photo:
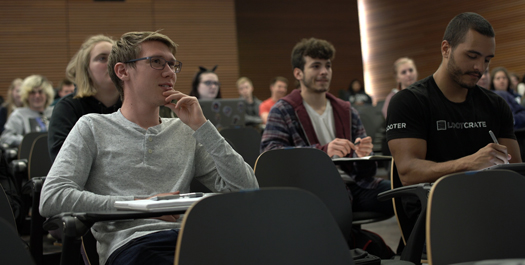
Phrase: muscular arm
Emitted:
{"points": [[409, 156]]}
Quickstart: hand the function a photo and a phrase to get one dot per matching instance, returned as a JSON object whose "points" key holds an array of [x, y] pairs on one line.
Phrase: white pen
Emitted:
{"points": [[495, 140]]}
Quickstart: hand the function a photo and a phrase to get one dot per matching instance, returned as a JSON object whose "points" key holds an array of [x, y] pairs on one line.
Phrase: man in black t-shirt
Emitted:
{"points": [[440, 125]]}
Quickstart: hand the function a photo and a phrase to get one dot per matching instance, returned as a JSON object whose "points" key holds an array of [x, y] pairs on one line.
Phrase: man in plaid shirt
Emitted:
{"points": [[312, 117]]}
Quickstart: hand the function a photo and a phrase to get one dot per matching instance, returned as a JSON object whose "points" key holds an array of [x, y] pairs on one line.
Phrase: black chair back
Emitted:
{"points": [[245, 140], [476, 216], [12, 250], [24, 149], [267, 226], [312, 170]]}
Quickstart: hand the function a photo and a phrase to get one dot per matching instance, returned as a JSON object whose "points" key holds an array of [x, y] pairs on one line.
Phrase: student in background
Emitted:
{"points": [[95, 93], [65, 88], [12, 102], [205, 84], [518, 111], [501, 81], [356, 94], [278, 89], [405, 72], [245, 87], [36, 93]]}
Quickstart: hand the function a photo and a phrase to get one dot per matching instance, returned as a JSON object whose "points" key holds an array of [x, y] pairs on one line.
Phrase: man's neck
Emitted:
{"points": [[107, 97], [316, 100], [452, 90], [141, 114]]}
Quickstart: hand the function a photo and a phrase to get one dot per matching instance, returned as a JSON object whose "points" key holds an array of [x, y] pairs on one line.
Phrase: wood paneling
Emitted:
{"points": [[252, 38], [41, 36], [33, 40], [415, 29], [206, 33], [268, 31]]}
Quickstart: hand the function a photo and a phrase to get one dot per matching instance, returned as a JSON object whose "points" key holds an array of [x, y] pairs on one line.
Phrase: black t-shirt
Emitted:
{"points": [[451, 130]]}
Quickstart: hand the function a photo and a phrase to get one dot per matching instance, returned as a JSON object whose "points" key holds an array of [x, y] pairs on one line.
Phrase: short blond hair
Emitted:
{"points": [[128, 48], [78, 68], [36, 81], [243, 80]]}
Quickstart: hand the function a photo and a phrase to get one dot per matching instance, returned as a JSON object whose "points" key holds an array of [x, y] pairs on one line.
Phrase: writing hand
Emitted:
{"points": [[339, 147], [363, 147]]}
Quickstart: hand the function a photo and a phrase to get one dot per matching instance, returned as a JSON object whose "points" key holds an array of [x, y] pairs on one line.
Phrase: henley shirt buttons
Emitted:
{"points": [[150, 139], [150, 151]]}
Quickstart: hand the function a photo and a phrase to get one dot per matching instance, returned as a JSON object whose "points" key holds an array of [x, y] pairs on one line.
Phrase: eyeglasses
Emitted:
{"points": [[210, 83], [33, 92], [157, 62]]}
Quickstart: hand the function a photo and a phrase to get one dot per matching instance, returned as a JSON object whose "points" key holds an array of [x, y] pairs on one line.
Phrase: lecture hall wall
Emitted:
{"points": [[253, 38]]}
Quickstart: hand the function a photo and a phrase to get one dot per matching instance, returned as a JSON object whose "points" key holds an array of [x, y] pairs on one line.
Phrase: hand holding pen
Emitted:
{"points": [[495, 140]]}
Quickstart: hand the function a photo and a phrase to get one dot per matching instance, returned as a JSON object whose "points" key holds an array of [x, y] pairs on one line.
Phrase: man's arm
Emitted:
{"points": [[218, 166], [409, 156], [13, 130], [62, 121], [63, 190]]}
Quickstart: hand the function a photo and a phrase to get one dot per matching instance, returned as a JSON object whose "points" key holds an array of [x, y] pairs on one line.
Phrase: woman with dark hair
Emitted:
{"points": [[356, 94], [500, 84], [205, 84]]}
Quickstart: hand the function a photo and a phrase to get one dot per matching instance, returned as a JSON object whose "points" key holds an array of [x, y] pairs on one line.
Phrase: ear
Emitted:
{"points": [[446, 49], [298, 74], [121, 71]]}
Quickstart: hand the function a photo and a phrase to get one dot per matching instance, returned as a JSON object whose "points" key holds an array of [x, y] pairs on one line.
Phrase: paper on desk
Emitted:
{"points": [[156, 206], [372, 158]]}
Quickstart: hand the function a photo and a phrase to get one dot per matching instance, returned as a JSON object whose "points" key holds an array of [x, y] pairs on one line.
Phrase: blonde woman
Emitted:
{"points": [[95, 92], [406, 74], [12, 102], [36, 94]]}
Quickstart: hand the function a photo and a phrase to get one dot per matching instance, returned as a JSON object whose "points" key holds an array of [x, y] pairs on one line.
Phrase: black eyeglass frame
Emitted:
{"points": [[176, 70]]}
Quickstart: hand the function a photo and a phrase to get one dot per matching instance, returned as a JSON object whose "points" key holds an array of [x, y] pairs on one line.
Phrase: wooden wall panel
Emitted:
{"points": [[33, 40], [87, 18], [415, 29], [268, 31], [206, 33], [42, 36]]}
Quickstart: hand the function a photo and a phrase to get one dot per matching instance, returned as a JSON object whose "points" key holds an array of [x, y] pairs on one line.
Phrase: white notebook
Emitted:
{"points": [[159, 206]]}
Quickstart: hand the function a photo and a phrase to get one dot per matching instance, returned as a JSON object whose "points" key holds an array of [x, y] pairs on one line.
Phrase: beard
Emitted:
{"points": [[310, 86], [456, 73]]}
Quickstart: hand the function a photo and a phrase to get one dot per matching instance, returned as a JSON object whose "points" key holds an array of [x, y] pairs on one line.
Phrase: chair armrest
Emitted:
{"points": [[416, 241], [17, 166], [420, 190], [10, 153], [75, 225]]}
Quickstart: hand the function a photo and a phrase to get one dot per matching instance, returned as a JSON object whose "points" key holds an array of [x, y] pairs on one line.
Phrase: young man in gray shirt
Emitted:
{"points": [[134, 154]]}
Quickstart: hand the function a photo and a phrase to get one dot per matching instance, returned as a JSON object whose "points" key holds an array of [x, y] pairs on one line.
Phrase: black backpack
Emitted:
{"points": [[371, 243]]}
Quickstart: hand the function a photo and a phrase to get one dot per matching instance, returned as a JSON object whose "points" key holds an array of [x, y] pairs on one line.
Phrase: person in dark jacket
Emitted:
{"points": [[94, 93]]}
